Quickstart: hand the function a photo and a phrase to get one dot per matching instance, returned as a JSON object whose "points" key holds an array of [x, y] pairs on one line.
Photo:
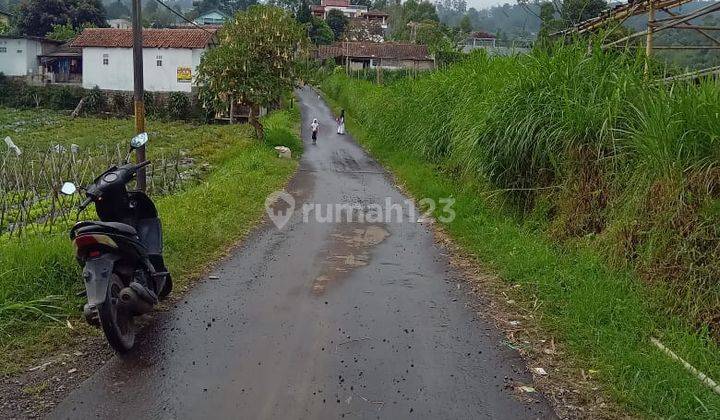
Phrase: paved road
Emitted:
{"points": [[319, 320]]}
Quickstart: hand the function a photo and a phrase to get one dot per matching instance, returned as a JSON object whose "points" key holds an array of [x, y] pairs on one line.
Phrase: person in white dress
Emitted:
{"points": [[341, 122]]}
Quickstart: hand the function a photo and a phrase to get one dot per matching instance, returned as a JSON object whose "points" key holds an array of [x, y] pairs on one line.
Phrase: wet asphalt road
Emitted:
{"points": [[319, 320]]}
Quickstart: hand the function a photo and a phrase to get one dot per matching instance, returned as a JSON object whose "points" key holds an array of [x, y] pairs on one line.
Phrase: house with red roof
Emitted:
{"points": [[479, 39], [352, 11], [170, 57], [371, 55]]}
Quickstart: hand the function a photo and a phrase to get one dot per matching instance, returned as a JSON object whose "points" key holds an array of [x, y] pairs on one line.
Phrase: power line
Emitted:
{"points": [[176, 13]]}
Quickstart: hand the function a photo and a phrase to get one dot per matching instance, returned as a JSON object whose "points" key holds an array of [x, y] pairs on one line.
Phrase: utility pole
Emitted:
{"points": [[139, 87], [378, 72], [347, 58]]}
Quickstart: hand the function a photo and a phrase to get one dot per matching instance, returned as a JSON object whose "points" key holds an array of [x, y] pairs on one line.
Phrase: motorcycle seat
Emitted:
{"points": [[103, 227]]}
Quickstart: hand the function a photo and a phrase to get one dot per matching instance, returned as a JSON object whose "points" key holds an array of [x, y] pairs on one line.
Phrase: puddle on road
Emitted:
{"points": [[347, 249]]}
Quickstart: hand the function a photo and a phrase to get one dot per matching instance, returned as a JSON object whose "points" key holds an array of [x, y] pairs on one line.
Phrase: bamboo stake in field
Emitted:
{"points": [[704, 379], [649, 40]]}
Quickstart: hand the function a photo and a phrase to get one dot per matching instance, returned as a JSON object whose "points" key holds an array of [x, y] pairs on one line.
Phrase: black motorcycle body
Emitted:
{"points": [[121, 255]]}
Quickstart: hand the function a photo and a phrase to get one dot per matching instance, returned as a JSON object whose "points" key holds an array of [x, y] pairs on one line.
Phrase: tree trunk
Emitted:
{"points": [[232, 109], [255, 122]]}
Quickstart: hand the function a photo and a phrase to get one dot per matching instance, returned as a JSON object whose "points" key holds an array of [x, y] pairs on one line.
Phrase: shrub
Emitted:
{"points": [[18, 94], [151, 108], [178, 106], [94, 101], [119, 102], [64, 97]]}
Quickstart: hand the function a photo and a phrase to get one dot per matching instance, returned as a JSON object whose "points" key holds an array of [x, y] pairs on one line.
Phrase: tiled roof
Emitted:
{"points": [[482, 34], [152, 38], [393, 50]]}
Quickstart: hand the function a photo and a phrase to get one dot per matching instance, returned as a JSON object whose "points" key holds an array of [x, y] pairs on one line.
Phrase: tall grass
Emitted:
{"points": [[577, 145], [583, 138]]}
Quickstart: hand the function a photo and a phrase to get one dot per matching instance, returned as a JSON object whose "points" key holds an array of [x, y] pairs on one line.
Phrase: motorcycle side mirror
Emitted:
{"points": [[68, 188], [139, 141]]}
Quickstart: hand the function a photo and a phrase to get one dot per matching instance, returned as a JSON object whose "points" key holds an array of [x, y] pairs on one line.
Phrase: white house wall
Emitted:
{"points": [[14, 63], [118, 73]]}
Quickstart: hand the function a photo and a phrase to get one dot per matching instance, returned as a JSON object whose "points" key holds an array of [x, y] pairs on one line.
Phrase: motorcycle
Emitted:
{"points": [[121, 254]]}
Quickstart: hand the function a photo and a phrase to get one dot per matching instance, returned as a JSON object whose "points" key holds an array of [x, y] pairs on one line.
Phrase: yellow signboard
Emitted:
{"points": [[184, 74]]}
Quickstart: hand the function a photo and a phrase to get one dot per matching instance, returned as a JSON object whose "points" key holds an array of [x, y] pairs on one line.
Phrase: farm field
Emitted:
{"points": [[225, 169]]}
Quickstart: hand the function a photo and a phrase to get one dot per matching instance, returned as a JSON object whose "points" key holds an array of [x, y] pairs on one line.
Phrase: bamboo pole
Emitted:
{"points": [[704, 379], [649, 38], [700, 29]]}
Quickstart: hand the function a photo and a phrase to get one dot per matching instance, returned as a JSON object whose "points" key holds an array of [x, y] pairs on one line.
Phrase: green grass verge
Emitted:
{"points": [[199, 224], [605, 317]]}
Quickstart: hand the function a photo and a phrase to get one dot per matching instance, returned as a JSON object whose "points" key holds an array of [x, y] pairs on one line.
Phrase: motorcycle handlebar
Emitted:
{"points": [[141, 165], [85, 203]]}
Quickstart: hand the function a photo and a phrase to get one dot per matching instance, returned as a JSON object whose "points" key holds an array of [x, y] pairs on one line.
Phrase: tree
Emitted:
{"points": [[549, 23], [37, 17], [465, 25], [303, 14], [574, 11], [62, 32], [228, 7], [150, 7], [337, 21], [117, 10], [413, 13], [255, 63], [365, 30], [85, 13], [379, 5], [320, 33]]}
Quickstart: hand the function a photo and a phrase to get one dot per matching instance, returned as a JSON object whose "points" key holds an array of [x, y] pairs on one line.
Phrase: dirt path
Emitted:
{"points": [[320, 320]]}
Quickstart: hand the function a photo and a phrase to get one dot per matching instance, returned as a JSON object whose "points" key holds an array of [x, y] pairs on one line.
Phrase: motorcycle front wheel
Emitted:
{"points": [[117, 323]]}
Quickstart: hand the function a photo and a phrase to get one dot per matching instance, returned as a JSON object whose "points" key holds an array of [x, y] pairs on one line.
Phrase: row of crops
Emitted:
{"points": [[30, 201]]}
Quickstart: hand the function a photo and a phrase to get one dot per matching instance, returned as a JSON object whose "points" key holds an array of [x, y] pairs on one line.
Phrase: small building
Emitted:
{"points": [[352, 11], [376, 16], [479, 39], [387, 55], [120, 23], [170, 57], [20, 56], [63, 65], [212, 18]]}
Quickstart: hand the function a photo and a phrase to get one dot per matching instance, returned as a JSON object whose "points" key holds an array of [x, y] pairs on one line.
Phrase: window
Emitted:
{"points": [[106, 59], [3, 49], [19, 51], [158, 60]]}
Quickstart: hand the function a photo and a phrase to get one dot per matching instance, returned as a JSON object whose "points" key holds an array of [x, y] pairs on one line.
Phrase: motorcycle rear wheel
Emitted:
{"points": [[117, 323], [167, 288]]}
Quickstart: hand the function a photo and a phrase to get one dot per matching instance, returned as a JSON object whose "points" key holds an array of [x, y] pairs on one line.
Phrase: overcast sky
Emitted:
{"points": [[483, 4]]}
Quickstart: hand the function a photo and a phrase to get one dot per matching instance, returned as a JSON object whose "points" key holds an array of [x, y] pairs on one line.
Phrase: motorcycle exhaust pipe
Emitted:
{"points": [[130, 299]]}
